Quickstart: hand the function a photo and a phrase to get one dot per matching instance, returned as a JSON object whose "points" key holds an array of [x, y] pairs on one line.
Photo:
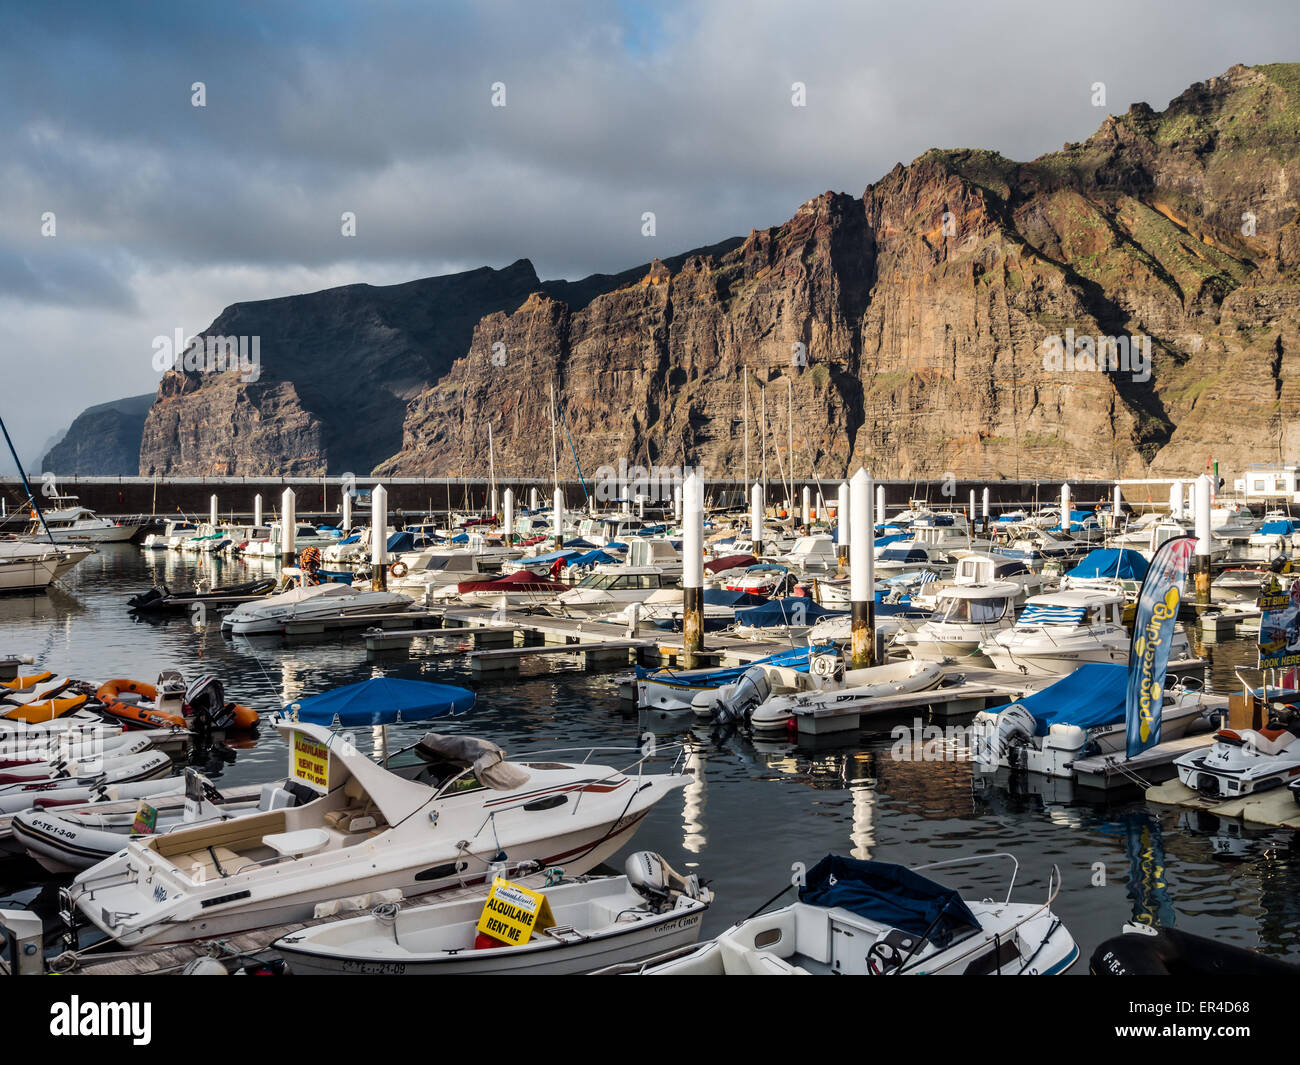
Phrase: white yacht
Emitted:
{"points": [[27, 566], [609, 588], [175, 531], [433, 567], [72, 523], [369, 833], [966, 616], [1059, 631]]}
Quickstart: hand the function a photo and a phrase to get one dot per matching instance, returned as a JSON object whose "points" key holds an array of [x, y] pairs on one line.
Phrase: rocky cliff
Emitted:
{"points": [[103, 441], [909, 329]]}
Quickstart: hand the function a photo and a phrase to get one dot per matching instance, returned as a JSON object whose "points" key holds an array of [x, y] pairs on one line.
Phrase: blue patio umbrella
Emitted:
{"points": [[381, 701]]}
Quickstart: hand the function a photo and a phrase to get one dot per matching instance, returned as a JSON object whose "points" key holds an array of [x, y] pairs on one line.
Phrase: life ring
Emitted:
{"points": [[398, 569]]}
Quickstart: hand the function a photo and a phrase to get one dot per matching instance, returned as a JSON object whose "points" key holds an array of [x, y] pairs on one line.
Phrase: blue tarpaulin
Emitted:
{"points": [[1092, 696], [400, 541], [381, 701], [551, 556], [1281, 527], [1116, 562], [592, 558], [792, 610], [890, 895]]}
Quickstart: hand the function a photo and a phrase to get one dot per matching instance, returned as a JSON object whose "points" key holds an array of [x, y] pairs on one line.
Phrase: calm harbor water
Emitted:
{"points": [[756, 806]]}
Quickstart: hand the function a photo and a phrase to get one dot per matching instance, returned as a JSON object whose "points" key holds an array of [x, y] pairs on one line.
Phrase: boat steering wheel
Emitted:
{"points": [[882, 958]]}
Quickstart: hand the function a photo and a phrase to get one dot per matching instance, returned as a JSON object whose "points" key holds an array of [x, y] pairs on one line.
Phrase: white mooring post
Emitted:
{"points": [[693, 571], [756, 518], [288, 528], [862, 572], [379, 538]]}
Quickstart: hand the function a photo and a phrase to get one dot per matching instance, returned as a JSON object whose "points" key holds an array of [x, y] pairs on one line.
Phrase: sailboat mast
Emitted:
{"points": [[492, 472], [745, 387], [555, 455]]}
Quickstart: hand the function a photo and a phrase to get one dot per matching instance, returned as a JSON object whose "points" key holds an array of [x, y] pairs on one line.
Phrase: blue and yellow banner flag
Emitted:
{"points": [[1153, 635]]}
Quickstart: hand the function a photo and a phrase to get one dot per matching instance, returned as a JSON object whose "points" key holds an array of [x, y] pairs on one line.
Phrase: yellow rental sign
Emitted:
{"points": [[310, 762], [513, 913]]}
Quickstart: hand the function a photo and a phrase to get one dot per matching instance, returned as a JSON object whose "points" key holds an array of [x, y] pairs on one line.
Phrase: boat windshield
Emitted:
{"points": [[599, 581], [974, 611]]}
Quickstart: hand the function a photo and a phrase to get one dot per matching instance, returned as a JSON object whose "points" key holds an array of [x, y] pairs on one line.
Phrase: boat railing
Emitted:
{"points": [[1054, 882], [972, 859]]}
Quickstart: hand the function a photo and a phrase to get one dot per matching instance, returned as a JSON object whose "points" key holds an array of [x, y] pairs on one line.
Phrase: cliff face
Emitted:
{"points": [[904, 330], [103, 441]]}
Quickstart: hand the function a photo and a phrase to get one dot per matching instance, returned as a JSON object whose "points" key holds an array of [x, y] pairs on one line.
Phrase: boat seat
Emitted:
{"points": [[1273, 741], [211, 863], [360, 815], [22, 684]]}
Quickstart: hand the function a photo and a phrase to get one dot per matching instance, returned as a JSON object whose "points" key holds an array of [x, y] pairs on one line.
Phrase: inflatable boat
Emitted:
{"points": [[1147, 951]]}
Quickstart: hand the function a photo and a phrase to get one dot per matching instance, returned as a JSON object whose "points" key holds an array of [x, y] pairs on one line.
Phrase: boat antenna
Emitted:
{"points": [[36, 506]]}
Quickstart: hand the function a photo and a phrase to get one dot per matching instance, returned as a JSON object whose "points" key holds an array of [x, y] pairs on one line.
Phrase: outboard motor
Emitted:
{"points": [[735, 701], [205, 702], [1005, 738], [659, 883]]}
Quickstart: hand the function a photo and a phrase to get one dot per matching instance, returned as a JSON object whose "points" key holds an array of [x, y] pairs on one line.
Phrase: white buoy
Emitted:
{"points": [[557, 516], [756, 518], [509, 517], [212, 513], [379, 538], [257, 511], [862, 576], [347, 512], [288, 528], [693, 570]]}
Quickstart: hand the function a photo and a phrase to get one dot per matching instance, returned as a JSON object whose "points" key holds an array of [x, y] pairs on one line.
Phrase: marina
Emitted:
{"points": [[649, 489]]}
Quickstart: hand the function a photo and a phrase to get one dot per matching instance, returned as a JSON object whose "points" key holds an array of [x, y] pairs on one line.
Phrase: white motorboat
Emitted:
{"points": [[1057, 632], [1245, 761], [71, 523], [1244, 584], [597, 922], [327, 604], [370, 833], [29, 566], [609, 588], [435, 567], [811, 554], [966, 616], [857, 690], [860, 918], [66, 839], [906, 555], [174, 533], [121, 798], [1080, 715]]}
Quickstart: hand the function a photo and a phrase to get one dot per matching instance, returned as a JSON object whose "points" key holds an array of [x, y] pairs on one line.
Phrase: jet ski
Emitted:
{"points": [[1244, 761]]}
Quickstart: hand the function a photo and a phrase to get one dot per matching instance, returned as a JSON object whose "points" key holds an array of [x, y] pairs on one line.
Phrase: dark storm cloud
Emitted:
{"points": [[612, 110]]}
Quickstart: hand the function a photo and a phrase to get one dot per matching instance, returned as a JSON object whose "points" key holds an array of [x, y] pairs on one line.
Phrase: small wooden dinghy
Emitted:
{"points": [[597, 922]]}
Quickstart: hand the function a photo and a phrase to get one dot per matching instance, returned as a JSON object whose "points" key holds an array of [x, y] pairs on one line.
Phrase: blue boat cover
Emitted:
{"points": [[579, 542], [381, 701], [1045, 614], [890, 895], [459, 538], [1093, 695], [785, 612], [351, 539], [551, 556], [592, 558], [1115, 562], [1282, 527], [400, 541]]}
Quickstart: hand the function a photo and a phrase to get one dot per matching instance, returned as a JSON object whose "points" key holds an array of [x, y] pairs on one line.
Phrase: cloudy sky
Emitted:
{"points": [[164, 212]]}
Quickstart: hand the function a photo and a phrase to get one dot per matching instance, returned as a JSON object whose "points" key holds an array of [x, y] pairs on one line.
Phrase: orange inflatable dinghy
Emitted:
{"points": [[142, 706]]}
